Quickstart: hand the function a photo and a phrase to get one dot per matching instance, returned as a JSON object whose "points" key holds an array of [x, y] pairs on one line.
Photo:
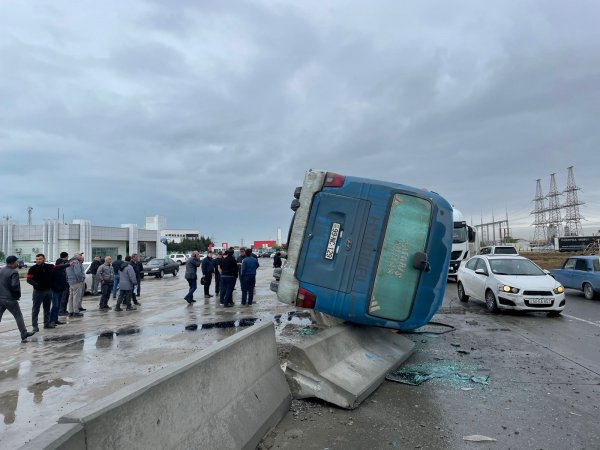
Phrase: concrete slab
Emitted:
{"points": [[227, 396], [344, 364], [68, 436]]}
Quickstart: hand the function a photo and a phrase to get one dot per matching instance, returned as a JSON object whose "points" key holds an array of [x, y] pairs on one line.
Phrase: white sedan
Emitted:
{"points": [[509, 282]]}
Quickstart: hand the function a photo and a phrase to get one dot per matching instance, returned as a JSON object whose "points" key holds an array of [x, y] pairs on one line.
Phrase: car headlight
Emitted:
{"points": [[508, 289], [559, 290]]}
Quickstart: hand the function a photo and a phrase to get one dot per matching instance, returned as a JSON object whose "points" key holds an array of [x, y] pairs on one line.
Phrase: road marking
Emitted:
{"points": [[582, 320]]}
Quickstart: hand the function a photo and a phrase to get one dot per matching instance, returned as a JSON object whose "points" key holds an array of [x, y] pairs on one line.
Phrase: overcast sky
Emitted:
{"points": [[210, 112]]}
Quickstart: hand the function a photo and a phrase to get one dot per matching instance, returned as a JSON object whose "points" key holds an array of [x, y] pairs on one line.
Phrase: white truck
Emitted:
{"points": [[463, 243]]}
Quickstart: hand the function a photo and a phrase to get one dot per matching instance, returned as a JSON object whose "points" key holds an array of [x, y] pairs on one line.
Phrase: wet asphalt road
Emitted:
{"points": [[543, 391], [65, 368]]}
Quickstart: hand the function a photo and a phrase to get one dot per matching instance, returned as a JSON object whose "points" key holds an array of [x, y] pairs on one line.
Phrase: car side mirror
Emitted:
{"points": [[481, 272]]}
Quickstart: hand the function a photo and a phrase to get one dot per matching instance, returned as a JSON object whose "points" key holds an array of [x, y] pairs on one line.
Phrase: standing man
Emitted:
{"points": [[117, 267], [277, 260], [128, 280], [10, 293], [191, 267], [94, 270], [106, 277], [240, 258], [248, 276], [64, 259], [40, 277], [139, 271], [137, 268], [207, 271], [76, 280], [216, 264], [228, 276], [58, 287]]}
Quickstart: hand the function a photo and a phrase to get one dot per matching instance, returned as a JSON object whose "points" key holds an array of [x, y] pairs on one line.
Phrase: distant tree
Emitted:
{"points": [[188, 245]]}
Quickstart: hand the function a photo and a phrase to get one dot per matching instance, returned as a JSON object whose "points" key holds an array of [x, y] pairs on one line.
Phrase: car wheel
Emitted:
{"points": [[554, 313], [175, 272], [161, 274], [588, 291], [461, 292], [490, 302]]}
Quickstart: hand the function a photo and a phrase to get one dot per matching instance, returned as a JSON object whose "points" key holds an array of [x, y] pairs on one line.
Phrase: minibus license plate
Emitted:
{"points": [[333, 238]]}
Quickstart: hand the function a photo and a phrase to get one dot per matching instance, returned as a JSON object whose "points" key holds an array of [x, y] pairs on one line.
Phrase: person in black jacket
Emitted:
{"points": [[62, 311], [94, 270], [58, 287], [229, 271], [10, 293], [207, 271], [137, 268], [277, 260], [40, 277], [216, 264]]}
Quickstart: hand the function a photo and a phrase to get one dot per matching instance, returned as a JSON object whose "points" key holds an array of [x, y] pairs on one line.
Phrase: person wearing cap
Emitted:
{"points": [[10, 293], [76, 279]]}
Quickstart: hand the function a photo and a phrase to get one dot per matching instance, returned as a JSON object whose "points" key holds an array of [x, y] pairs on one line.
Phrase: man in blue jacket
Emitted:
{"points": [[248, 277]]}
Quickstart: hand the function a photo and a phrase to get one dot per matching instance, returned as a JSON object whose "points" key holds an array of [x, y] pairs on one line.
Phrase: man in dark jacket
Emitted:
{"points": [[191, 268], [137, 268], [94, 270], [248, 277], [117, 267], [62, 310], [207, 271], [277, 260], [229, 271], [40, 277], [216, 264], [10, 293], [58, 288]]}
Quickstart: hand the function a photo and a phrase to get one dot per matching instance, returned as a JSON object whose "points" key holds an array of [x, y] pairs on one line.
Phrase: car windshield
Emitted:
{"points": [[154, 262], [459, 233], [515, 267]]}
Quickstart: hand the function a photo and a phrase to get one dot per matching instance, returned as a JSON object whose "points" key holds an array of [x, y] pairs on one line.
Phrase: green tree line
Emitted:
{"points": [[188, 245]]}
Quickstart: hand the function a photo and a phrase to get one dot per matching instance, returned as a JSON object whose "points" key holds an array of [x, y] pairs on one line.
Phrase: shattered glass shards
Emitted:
{"points": [[453, 374]]}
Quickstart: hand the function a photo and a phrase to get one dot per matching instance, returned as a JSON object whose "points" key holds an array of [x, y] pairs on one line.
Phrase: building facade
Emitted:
{"points": [[53, 237]]}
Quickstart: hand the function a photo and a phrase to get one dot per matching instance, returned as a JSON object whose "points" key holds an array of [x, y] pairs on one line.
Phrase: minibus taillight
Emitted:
{"points": [[334, 180], [305, 299]]}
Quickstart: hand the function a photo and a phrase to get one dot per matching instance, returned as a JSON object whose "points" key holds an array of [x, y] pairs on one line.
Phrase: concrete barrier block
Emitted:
{"points": [[345, 363], [227, 396], [68, 436]]}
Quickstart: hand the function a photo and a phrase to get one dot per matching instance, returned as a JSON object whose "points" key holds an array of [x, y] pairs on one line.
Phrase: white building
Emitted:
{"points": [[171, 235], [52, 237]]}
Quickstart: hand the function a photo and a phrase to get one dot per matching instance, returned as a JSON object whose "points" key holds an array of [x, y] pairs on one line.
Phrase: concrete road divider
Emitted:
{"points": [[345, 363], [68, 436], [227, 396]]}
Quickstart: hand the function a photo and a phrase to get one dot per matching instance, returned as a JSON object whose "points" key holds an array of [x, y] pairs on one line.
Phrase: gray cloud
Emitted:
{"points": [[210, 112]]}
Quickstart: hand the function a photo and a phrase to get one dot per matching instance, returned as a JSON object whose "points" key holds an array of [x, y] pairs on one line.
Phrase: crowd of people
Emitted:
{"points": [[58, 288]]}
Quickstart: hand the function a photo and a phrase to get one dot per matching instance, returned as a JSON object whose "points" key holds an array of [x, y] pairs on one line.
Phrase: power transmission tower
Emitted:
{"points": [[539, 213], [554, 207], [29, 211], [571, 205]]}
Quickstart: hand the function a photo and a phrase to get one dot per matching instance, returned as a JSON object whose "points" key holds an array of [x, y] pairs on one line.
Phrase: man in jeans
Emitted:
{"points": [[40, 277], [228, 276], [207, 271], [59, 286], [106, 277], [128, 280], [248, 277], [76, 279], [117, 268], [191, 268], [10, 293]]}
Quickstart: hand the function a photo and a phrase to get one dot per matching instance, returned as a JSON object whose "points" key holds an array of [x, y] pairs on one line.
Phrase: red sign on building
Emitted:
{"points": [[267, 245], [224, 245]]}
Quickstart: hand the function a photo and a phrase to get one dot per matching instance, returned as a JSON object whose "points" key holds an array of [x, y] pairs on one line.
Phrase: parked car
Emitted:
{"points": [[87, 286], [509, 282], [178, 257], [499, 250], [581, 273], [158, 267]]}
